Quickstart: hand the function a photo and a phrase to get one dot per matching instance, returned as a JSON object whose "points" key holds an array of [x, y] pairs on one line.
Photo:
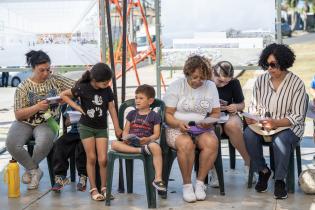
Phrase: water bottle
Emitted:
{"points": [[51, 122], [12, 178]]}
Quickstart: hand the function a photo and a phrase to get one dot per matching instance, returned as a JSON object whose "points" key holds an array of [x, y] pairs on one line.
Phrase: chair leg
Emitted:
{"points": [[232, 155], [129, 175], [219, 168], [149, 177], [109, 180], [290, 181], [250, 176], [168, 160], [72, 167], [272, 162], [298, 159]]}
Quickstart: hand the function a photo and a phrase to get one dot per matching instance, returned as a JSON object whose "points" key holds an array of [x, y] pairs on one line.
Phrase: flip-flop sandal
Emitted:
{"points": [[98, 196], [159, 185], [103, 190]]}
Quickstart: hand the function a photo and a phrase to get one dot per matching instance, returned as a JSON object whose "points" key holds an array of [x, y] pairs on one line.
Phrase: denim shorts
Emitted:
{"points": [[87, 132]]}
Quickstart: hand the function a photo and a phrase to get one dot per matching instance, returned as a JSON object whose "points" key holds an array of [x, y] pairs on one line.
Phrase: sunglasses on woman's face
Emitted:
{"points": [[272, 65]]}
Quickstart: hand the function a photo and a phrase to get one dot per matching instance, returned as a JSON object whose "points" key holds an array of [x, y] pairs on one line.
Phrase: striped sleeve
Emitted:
{"points": [[20, 98], [255, 97], [63, 83], [297, 113]]}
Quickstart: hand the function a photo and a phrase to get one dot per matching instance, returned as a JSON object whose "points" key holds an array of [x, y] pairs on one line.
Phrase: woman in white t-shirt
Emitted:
{"points": [[192, 98]]}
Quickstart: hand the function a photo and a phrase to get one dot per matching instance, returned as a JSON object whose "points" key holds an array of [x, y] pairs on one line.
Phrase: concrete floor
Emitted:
{"points": [[238, 196]]}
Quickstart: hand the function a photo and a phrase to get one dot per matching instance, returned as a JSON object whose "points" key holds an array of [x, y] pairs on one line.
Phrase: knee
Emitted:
{"points": [[91, 159], [12, 147], [102, 161], [155, 148], [233, 128], [114, 145], [185, 145]]}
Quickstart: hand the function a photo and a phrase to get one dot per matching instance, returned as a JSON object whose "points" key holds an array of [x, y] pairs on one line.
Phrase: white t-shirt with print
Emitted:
{"points": [[191, 104]]}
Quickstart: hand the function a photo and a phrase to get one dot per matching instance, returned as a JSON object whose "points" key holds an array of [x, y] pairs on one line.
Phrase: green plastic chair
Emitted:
{"points": [[169, 156], [149, 172], [290, 179]]}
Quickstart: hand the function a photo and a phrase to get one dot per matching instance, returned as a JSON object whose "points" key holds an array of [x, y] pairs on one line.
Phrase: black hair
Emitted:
{"points": [[224, 68], [34, 58], [100, 72], [284, 55], [147, 90]]}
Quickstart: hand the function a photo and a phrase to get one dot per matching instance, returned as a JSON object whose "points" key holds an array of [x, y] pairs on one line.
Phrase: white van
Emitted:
{"points": [[142, 41]]}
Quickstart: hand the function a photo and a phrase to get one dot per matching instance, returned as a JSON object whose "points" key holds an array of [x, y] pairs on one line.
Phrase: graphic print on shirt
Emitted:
{"points": [[34, 98], [199, 105], [98, 101]]}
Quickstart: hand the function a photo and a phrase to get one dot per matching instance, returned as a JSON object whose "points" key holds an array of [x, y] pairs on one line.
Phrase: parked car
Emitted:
{"points": [[286, 29], [16, 77]]}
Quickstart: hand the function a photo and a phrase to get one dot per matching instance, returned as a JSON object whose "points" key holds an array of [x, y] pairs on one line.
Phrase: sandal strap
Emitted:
{"points": [[92, 190]]}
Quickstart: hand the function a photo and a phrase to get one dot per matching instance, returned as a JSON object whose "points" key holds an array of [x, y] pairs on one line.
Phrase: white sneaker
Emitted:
{"points": [[26, 177], [36, 175], [200, 191], [188, 193], [246, 172], [214, 182]]}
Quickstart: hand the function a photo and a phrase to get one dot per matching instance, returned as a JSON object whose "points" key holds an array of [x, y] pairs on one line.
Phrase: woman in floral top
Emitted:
{"points": [[30, 105]]}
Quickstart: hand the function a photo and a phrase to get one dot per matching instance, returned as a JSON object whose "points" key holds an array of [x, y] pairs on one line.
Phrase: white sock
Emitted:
{"points": [[199, 182], [187, 185]]}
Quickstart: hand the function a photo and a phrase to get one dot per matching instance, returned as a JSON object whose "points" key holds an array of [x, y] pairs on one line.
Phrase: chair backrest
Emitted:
{"points": [[131, 103]]}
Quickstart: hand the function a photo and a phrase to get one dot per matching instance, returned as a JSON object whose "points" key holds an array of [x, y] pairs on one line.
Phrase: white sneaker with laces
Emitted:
{"points": [[214, 182], [36, 175], [26, 177], [200, 191], [246, 172], [188, 193]]}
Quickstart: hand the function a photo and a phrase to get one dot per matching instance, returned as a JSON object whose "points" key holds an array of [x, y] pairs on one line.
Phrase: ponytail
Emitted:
{"points": [[85, 78], [100, 72]]}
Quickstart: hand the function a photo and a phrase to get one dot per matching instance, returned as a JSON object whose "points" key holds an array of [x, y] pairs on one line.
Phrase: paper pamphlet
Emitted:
{"points": [[74, 116], [207, 120], [252, 116], [53, 100], [223, 118], [129, 136], [311, 110]]}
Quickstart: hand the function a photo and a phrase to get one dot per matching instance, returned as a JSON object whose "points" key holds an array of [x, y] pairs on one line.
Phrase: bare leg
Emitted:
{"points": [[185, 156], [89, 147], [122, 147], [233, 128], [157, 160], [208, 146], [101, 146]]}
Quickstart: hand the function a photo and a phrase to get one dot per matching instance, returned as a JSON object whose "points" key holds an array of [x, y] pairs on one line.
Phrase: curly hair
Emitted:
{"points": [[197, 62], [284, 55]]}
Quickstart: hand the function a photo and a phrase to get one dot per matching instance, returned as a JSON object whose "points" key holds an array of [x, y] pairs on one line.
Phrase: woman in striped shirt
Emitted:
{"points": [[279, 95]]}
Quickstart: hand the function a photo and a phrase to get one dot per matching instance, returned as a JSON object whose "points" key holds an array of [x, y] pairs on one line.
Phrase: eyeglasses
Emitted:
{"points": [[272, 65]]}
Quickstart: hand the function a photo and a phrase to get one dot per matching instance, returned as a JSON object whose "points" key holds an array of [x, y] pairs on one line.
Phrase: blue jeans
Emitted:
{"points": [[282, 145]]}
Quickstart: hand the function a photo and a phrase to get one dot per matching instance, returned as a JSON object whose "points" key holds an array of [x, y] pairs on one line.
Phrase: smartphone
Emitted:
{"points": [[223, 102], [53, 100]]}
